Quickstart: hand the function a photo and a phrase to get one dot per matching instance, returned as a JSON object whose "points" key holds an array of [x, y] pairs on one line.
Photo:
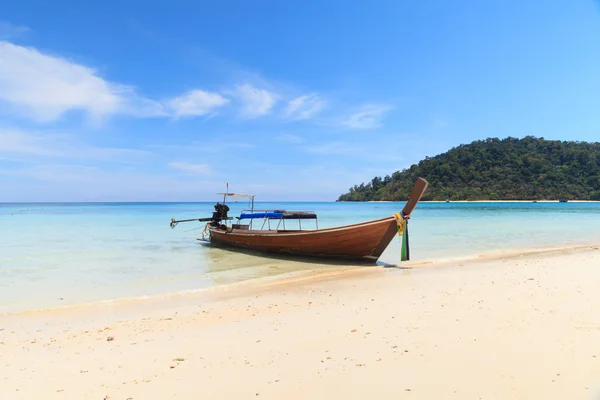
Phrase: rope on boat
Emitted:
{"points": [[400, 223]]}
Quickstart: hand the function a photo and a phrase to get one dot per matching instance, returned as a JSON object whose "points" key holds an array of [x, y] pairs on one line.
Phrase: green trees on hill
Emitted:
{"points": [[493, 169]]}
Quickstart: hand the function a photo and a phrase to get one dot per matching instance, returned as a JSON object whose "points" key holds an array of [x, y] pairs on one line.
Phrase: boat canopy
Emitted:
{"points": [[236, 195], [299, 215], [279, 215], [270, 215]]}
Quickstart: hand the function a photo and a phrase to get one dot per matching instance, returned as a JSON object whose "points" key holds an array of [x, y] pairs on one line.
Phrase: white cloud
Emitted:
{"points": [[369, 117], [200, 169], [255, 102], [45, 87], [289, 138], [304, 107], [196, 103], [8, 30]]}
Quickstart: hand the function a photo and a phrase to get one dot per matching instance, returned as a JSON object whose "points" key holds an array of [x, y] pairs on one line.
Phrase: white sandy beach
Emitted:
{"points": [[523, 327]]}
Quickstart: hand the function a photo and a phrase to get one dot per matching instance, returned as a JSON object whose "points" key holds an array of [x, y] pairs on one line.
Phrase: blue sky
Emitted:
{"points": [[294, 100]]}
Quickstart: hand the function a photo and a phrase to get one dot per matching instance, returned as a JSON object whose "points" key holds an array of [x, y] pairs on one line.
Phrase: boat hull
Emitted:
{"points": [[361, 242]]}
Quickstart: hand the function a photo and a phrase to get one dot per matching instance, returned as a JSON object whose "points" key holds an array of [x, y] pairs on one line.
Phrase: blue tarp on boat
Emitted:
{"points": [[273, 215]]}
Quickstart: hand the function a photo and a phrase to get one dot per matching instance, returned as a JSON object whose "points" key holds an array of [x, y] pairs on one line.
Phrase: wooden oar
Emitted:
{"points": [[415, 196]]}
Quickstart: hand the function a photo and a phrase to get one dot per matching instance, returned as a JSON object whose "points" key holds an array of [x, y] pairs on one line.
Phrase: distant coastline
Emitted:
{"points": [[526, 169]]}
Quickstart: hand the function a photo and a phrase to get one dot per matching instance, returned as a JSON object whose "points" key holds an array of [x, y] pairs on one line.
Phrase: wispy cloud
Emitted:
{"points": [[255, 102], [363, 153], [289, 138], [56, 145], [196, 103], [368, 117], [17, 142], [329, 186], [335, 148], [199, 169], [69, 182], [45, 87], [10, 31], [57, 173], [304, 107], [222, 143]]}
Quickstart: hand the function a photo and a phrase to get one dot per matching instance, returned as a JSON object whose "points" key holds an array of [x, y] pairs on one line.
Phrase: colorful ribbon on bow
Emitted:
{"points": [[402, 225]]}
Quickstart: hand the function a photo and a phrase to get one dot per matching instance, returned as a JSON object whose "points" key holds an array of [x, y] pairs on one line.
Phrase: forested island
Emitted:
{"points": [[509, 169]]}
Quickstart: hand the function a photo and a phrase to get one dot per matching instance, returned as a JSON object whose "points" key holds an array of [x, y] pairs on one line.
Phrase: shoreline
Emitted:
{"points": [[316, 271], [522, 327]]}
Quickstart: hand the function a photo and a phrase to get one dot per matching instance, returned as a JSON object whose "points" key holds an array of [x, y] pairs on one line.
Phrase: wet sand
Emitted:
{"points": [[519, 327]]}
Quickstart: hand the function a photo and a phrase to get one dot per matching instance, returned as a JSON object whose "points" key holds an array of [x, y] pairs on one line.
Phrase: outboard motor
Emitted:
{"points": [[220, 212], [218, 215]]}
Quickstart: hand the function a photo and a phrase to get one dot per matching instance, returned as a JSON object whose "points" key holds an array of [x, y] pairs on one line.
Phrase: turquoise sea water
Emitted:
{"points": [[59, 254]]}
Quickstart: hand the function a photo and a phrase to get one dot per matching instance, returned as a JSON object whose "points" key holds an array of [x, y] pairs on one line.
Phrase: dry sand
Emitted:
{"points": [[514, 328]]}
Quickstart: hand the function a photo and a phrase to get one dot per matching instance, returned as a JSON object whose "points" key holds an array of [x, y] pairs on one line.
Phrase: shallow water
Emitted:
{"points": [[58, 254]]}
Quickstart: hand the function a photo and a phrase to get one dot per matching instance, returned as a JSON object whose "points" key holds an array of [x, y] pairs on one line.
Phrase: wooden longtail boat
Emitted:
{"points": [[364, 241]]}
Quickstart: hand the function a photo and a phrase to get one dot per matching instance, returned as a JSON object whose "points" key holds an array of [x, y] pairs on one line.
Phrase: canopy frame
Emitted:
{"points": [[236, 196], [278, 215]]}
